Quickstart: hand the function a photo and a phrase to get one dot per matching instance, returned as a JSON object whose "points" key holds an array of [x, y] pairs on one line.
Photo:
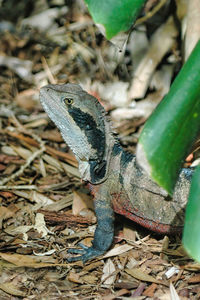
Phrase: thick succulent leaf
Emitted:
{"points": [[191, 235], [114, 15], [170, 131]]}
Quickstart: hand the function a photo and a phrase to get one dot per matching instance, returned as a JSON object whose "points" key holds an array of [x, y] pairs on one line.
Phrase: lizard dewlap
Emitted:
{"points": [[117, 182]]}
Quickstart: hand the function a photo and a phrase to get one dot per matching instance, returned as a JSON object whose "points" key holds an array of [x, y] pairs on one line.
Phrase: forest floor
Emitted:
{"points": [[44, 207]]}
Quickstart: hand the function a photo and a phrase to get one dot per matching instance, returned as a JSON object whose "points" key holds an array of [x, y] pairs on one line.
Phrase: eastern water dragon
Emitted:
{"points": [[117, 182]]}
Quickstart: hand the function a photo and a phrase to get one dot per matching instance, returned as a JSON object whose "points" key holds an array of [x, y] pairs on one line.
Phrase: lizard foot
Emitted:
{"points": [[103, 235], [86, 253]]}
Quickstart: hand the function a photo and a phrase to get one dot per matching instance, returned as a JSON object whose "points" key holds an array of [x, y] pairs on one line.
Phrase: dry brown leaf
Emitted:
{"points": [[23, 152], [173, 293], [132, 263], [10, 169], [74, 277], [19, 66], [161, 42], [40, 225], [52, 135], [165, 296], [129, 233], [118, 250], [140, 275], [80, 202], [116, 295], [149, 292], [89, 279], [72, 170], [7, 212], [11, 289], [36, 123], [59, 205], [181, 8], [88, 241], [194, 279], [8, 151], [88, 214], [192, 27], [176, 252], [19, 260], [42, 168], [161, 80], [107, 67], [2, 167], [60, 166], [13, 230], [165, 246], [50, 252], [40, 199], [115, 92], [8, 195], [93, 265], [35, 197], [53, 162], [136, 110], [30, 261], [109, 276], [138, 292], [25, 99], [67, 156]]}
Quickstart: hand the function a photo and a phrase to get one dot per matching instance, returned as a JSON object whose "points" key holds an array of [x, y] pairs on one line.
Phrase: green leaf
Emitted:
{"points": [[170, 131], [191, 234], [114, 15]]}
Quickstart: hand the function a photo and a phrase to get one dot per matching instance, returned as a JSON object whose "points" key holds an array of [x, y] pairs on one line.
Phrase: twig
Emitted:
{"points": [[31, 158], [18, 187], [150, 13], [22, 168], [47, 70]]}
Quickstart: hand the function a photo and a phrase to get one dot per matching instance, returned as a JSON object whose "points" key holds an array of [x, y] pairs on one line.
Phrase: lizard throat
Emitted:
{"points": [[96, 168]]}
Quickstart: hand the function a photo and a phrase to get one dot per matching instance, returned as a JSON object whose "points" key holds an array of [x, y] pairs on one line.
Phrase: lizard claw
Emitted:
{"points": [[87, 253]]}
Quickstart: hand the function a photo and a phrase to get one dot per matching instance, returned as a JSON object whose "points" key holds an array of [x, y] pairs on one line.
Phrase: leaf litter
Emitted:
{"points": [[43, 211]]}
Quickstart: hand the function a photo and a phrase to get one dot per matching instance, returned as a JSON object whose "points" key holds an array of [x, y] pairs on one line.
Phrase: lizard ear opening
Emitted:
{"points": [[97, 171]]}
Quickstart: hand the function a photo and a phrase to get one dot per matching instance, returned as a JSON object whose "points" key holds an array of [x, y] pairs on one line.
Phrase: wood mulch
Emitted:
{"points": [[44, 207]]}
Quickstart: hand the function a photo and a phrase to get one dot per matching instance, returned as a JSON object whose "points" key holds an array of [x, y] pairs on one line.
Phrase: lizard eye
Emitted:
{"points": [[68, 101]]}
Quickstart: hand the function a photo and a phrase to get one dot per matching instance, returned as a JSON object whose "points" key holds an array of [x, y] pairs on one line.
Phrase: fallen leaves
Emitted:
{"points": [[36, 203], [109, 273], [19, 260], [7, 212], [12, 289], [140, 275]]}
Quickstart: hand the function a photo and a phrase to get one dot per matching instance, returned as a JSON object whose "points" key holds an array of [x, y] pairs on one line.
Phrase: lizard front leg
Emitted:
{"points": [[104, 232]]}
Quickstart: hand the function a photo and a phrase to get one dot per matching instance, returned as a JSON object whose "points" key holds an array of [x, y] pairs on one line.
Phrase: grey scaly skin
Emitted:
{"points": [[116, 181]]}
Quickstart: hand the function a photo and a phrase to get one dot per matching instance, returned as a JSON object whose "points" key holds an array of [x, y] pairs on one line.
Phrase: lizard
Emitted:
{"points": [[116, 180]]}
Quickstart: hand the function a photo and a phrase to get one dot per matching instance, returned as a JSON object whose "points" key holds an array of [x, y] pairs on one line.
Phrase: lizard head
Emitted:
{"points": [[83, 125]]}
